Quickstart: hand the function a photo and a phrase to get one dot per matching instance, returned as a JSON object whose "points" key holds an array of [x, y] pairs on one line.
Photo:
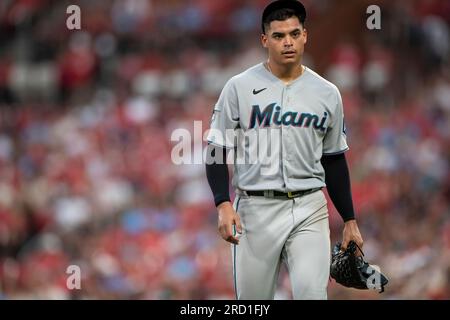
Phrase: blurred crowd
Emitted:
{"points": [[86, 119]]}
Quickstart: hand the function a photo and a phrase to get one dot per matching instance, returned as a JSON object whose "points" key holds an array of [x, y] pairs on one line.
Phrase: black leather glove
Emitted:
{"points": [[352, 271]]}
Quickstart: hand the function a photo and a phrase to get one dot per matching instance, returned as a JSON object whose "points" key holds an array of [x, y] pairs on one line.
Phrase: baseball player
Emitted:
{"points": [[286, 113]]}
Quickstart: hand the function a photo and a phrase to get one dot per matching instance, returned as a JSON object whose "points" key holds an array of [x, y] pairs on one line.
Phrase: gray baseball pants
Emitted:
{"points": [[294, 231]]}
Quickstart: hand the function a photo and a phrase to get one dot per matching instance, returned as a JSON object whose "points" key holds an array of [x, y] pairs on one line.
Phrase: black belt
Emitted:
{"points": [[279, 194]]}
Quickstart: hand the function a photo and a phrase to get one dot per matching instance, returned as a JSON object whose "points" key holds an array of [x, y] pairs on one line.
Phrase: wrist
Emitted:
{"points": [[223, 205], [218, 200]]}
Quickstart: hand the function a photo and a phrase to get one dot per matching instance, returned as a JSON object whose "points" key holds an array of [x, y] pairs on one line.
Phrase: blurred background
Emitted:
{"points": [[86, 117]]}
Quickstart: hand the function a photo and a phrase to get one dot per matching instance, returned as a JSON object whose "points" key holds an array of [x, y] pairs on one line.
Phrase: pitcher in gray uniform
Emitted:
{"points": [[290, 122]]}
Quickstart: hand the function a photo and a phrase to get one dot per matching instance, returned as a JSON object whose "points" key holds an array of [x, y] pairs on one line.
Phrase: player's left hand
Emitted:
{"points": [[351, 232]]}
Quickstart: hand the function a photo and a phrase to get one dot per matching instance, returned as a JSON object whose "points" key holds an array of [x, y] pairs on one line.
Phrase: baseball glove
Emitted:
{"points": [[352, 271]]}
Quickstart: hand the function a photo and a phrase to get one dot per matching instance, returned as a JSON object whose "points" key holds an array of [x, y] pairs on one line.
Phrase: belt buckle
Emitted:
{"points": [[290, 195], [269, 194]]}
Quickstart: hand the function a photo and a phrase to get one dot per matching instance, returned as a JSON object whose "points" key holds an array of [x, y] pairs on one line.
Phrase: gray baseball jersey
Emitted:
{"points": [[279, 131]]}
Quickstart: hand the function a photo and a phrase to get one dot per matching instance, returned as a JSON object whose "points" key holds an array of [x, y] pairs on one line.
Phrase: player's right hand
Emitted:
{"points": [[227, 218]]}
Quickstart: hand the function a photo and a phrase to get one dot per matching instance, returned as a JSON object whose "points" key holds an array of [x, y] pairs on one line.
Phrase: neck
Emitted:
{"points": [[285, 73]]}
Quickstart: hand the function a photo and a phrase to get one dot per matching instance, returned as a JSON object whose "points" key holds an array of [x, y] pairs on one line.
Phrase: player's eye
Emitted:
{"points": [[277, 36], [296, 34]]}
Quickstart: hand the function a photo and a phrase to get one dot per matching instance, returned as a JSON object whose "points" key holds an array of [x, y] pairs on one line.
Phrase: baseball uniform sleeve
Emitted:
{"points": [[225, 118], [335, 140]]}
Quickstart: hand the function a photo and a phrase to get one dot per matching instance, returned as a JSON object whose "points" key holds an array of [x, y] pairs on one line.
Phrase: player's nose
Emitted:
{"points": [[288, 42]]}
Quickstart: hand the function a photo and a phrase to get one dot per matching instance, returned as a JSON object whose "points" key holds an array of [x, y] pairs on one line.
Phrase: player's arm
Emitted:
{"points": [[218, 180], [337, 179]]}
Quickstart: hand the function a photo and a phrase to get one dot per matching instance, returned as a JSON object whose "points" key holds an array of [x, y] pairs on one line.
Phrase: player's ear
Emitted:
{"points": [[305, 35], [264, 40]]}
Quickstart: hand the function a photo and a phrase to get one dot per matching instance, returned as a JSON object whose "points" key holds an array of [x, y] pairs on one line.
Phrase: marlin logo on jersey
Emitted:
{"points": [[272, 114]]}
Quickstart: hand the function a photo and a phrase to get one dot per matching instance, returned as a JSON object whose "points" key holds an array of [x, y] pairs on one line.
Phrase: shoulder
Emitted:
{"points": [[239, 82], [247, 75], [322, 84]]}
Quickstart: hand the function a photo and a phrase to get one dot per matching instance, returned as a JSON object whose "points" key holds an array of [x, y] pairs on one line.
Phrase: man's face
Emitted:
{"points": [[285, 41]]}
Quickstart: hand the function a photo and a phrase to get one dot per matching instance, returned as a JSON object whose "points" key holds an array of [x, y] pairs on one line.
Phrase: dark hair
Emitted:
{"points": [[281, 15]]}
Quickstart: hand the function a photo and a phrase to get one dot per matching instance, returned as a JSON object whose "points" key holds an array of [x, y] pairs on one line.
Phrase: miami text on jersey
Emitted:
{"points": [[289, 118]]}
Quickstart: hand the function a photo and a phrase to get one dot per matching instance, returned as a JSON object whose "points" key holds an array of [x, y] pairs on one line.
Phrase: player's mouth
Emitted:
{"points": [[289, 53]]}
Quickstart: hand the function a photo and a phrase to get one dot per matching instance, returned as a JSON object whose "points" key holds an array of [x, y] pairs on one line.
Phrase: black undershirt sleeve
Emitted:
{"points": [[217, 173], [337, 178]]}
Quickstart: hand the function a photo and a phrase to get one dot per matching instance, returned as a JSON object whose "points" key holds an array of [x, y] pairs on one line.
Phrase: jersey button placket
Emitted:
{"points": [[285, 135], [287, 131]]}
